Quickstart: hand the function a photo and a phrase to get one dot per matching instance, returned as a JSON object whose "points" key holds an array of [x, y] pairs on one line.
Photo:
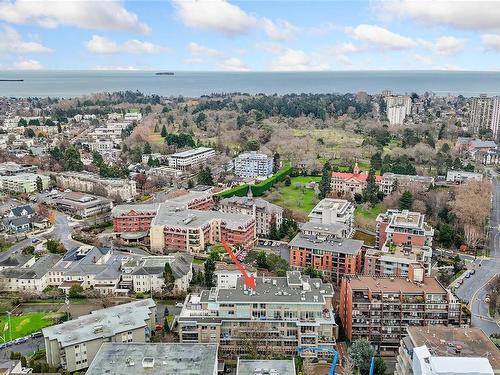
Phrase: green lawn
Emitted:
{"points": [[368, 212], [25, 324], [198, 261], [156, 138], [297, 198]]}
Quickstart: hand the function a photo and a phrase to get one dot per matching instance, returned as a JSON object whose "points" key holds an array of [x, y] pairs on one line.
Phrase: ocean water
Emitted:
{"points": [[193, 84]]}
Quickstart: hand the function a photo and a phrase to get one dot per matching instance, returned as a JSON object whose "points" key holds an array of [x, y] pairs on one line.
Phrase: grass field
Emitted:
{"points": [[368, 212], [156, 138], [297, 198], [26, 324], [331, 137]]}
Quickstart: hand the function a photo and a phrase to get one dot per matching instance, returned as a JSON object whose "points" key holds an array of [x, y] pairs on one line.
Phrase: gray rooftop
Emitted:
{"points": [[180, 263], [140, 208], [168, 215], [250, 366], [102, 323], [192, 152], [40, 268], [343, 246], [294, 288], [326, 229], [154, 359], [249, 202]]}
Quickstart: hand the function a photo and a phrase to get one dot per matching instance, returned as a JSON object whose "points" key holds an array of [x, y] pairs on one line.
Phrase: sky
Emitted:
{"points": [[219, 35]]}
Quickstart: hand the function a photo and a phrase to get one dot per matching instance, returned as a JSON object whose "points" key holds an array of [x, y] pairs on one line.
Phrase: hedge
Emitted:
{"points": [[261, 187]]}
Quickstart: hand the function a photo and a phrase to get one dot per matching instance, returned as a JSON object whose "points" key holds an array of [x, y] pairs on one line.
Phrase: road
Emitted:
{"points": [[61, 231], [29, 347], [474, 288]]}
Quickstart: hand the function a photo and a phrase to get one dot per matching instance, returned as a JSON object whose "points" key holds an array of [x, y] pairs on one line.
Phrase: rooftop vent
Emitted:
{"points": [[148, 362]]}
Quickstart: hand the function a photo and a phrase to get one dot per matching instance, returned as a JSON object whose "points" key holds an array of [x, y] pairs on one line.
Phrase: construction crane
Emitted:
{"points": [[302, 349]]}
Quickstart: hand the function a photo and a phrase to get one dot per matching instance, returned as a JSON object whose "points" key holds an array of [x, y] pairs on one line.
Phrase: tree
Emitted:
{"points": [[200, 120], [168, 279], [205, 176], [164, 132], [22, 122], [371, 190], [59, 128], [288, 181], [406, 201], [75, 291], [72, 160], [29, 133], [376, 160], [312, 272], [380, 366], [325, 183], [276, 162], [209, 272], [261, 260], [147, 149], [39, 184], [361, 353], [190, 184]]}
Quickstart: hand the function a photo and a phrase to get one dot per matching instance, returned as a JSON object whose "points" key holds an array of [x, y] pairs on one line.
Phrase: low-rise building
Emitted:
{"points": [[344, 184], [396, 260], [114, 358], [134, 217], [33, 276], [265, 366], [81, 204], [333, 256], [460, 177], [252, 164], [266, 214], [227, 275], [447, 345], [74, 344], [403, 182], [380, 309], [86, 182], [330, 211], [488, 158], [90, 267], [145, 274], [402, 228], [24, 182], [193, 230], [189, 159], [280, 314], [11, 168]]}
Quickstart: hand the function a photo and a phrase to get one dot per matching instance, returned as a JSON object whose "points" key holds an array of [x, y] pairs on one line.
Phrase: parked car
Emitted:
{"points": [[34, 335], [457, 285], [472, 272], [35, 240], [179, 304], [20, 340], [467, 275]]}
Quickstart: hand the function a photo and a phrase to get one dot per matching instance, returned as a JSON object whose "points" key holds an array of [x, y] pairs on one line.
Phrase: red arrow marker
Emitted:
{"points": [[247, 279]]}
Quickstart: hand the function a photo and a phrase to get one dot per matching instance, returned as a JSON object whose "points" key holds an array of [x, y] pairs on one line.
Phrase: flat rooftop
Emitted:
{"points": [[101, 323], [171, 215], [252, 367], [442, 342], [295, 288], [154, 359], [343, 246], [395, 284], [192, 152], [331, 204]]}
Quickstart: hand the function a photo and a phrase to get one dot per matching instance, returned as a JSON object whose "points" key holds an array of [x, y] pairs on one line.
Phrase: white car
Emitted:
{"points": [[26, 370], [179, 304]]}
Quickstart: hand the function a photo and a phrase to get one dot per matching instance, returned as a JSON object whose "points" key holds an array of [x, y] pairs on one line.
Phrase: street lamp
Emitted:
{"points": [[9, 313]]}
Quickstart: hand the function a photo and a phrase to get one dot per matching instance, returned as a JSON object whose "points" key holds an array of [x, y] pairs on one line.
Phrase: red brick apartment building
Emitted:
{"points": [[194, 230], [133, 218], [335, 257], [380, 309]]}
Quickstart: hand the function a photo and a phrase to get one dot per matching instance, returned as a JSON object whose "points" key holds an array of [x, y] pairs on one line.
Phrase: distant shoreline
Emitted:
{"points": [[11, 80]]}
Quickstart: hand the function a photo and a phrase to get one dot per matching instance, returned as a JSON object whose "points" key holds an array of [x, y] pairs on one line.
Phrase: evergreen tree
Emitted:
{"points": [[59, 128], [200, 120], [147, 149], [325, 183], [371, 190], [361, 353], [168, 279], [39, 184], [205, 176], [406, 201], [376, 160], [22, 122], [156, 129], [29, 133], [164, 132], [380, 366], [72, 160], [274, 233], [276, 162], [209, 272]]}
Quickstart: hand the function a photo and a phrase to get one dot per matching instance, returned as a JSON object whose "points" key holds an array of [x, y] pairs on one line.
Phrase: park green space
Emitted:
{"points": [[367, 212], [296, 196], [26, 324]]}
